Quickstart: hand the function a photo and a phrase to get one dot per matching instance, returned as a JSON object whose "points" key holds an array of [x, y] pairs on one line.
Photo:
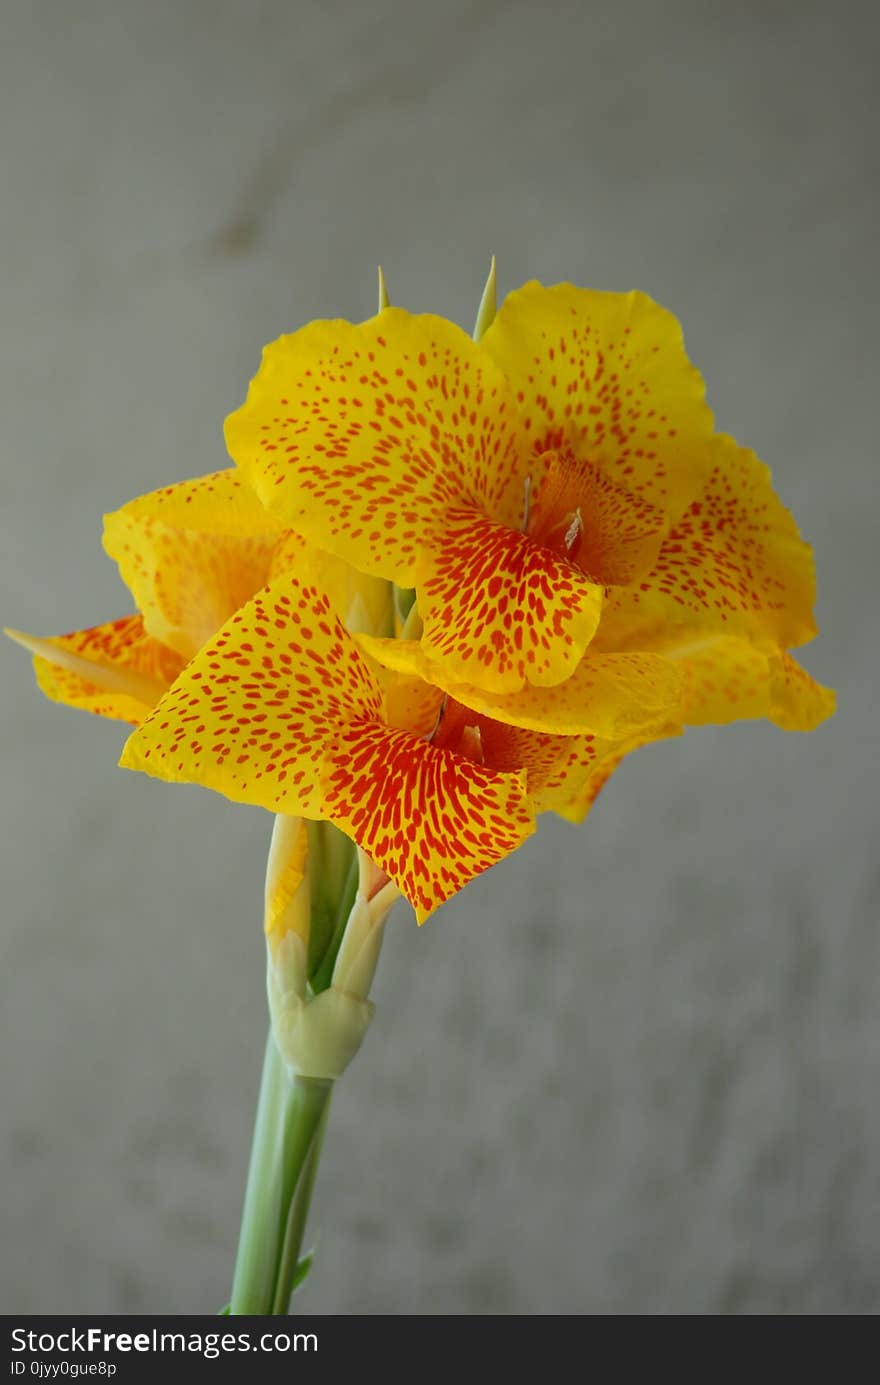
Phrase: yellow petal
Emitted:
{"points": [[725, 680], [361, 437], [577, 805], [798, 702], [606, 374], [114, 670], [411, 704], [191, 554], [365, 603], [217, 503], [734, 563], [610, 695], [500, 611], [728, 679], [256, 713]]}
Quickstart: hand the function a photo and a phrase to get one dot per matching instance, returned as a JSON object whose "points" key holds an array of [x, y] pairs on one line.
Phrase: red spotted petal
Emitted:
{"points": [[606, 374], [501, 611], [429, 817], [361, 437], [734, 561]]}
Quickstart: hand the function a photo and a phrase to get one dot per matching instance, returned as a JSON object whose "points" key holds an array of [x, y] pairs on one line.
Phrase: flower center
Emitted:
{"points": [[458, 729], [609, 533]]}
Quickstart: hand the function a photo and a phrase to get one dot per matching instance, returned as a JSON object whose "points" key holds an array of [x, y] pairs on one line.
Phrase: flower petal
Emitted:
{"points": [[575, 807], [607, 374], [500, 610], [365, 603], [219, 502], [610, 695], [256, 713], [114, 670], [411, 703], [361, 437], [191, 554], [431, 819], [729, 679], [735, 560], [798, 702]]}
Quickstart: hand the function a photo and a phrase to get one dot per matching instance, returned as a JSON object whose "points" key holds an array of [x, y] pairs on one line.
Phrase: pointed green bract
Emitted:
{"points": [[384, 300], [488, 304]]}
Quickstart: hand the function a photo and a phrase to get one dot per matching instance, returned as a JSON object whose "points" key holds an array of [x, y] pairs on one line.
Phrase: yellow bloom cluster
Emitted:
{"points": [[593, 568]]}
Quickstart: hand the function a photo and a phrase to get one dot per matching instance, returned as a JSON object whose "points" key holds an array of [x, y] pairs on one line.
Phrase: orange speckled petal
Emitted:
{"points": [[500, 610], [411, 704], [609, 695], [734, 560], [725, 680], [114, 670], [575, 807], [365, 603], [192, 554], [607, 374], [360, 437], [728, 679], [798, 702], [578, 760], [218, 503], [429, 818], [256, 714]]}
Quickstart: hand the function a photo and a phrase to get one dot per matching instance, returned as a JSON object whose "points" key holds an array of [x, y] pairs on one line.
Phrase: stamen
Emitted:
{"points": [[574, 531]]}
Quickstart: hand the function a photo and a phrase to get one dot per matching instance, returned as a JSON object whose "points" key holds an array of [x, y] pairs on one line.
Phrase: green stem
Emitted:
{"points": [[288, 1115], [299, 1211]]}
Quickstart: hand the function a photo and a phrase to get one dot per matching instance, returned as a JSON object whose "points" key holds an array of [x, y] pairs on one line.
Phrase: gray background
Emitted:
{"points": [[634, 1070]]}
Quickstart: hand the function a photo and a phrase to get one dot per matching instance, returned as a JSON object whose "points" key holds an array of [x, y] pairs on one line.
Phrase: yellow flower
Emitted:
{"points": [[594, 568], [558, 482]]}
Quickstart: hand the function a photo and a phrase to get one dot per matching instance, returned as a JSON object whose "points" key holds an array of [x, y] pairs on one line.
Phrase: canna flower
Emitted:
{"points": [[553, 489], [284, 710]]}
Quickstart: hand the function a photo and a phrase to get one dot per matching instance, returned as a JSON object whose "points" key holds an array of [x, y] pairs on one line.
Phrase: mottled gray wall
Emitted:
{"points": [[634, 1069]]}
